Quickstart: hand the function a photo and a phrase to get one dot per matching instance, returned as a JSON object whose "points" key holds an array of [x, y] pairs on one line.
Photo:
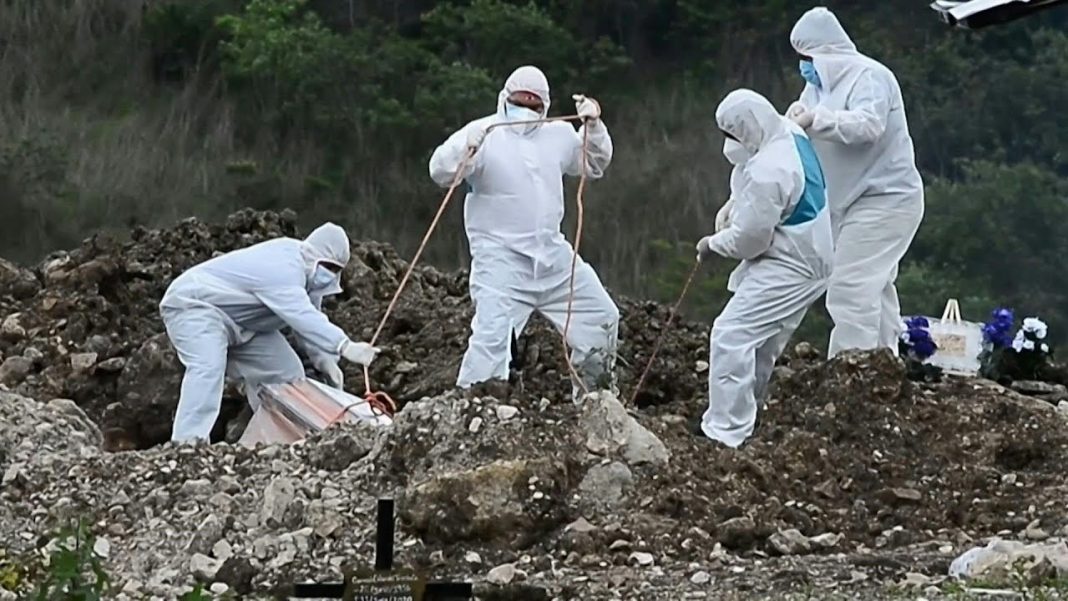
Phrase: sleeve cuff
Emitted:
{"points": [[822, 118]]}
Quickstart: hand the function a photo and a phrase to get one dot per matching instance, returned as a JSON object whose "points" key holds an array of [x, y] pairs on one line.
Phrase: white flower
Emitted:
{"points": [[1029, 345], [905, 337], [1036, 326], [1017, 342], [1045, 347]]}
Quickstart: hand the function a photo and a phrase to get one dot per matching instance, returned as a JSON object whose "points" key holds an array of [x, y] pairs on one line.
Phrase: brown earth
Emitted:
{"points": [[851, 462], [98, 304]]}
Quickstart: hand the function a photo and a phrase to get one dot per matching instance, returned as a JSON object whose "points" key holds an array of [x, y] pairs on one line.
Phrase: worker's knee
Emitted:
{"points": [[205, 367]]}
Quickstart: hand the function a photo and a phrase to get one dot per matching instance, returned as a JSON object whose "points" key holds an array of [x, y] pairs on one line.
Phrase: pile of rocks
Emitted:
{"points": [[856, 477]]}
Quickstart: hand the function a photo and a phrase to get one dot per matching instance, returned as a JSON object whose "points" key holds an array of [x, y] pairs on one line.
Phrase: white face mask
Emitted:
{"points": [[522, 113], [322, 278], [735, 152]]}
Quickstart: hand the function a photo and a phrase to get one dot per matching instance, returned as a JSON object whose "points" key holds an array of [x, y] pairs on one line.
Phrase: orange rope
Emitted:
{"points": [[574, 260], [382, 397], [663, 333]]}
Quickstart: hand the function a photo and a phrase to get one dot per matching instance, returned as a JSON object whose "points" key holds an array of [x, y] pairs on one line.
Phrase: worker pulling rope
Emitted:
{"points": [[382, 401]]}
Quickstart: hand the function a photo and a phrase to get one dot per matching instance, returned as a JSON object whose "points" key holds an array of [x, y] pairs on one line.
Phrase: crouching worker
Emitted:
{"points": [[225, 316], [779, 227]]}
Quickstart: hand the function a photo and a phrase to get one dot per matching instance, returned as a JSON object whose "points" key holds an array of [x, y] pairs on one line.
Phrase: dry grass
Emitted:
{"points": [[132, 151]]}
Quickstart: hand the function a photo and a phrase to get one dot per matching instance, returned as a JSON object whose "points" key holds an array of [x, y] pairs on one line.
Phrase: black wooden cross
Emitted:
{"points": [[434, 591]]}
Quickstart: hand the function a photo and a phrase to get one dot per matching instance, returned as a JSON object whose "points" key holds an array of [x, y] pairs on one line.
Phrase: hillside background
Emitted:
{"points": [[115, 113]]}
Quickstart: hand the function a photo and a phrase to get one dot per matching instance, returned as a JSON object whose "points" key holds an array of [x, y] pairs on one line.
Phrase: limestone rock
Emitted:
{"points": [[1001, 561], [502, 574], [790, 542], [203, 567], [737, 533], [605, 486], [611, 431], [14, 370], [488, 503]]}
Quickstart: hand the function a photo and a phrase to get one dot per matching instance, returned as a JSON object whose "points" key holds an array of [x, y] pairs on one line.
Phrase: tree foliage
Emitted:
{"points": [[372, 86]]}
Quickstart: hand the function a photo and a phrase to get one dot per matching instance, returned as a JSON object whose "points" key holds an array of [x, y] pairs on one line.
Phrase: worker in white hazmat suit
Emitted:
{"points": [[520, 260], [225, 315], [852, 109], [779, 227]]}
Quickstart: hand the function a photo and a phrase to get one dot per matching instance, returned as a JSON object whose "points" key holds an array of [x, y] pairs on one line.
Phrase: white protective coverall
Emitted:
{"points": [[520, 260], [224, 317], [874, 189], [780, 229]]}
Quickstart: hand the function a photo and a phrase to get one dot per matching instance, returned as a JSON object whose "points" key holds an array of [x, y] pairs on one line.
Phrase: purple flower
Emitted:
{"points": [[915, 323], [916, 339], [924, 348], [998, 332]]}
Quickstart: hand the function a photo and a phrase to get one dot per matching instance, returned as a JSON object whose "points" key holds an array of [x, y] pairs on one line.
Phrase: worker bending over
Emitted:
{"points": [[779, 227], [852, 109], [225, 315], [520, 260]]}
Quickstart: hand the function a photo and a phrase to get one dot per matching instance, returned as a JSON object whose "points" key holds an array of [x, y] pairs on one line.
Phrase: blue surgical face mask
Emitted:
{"points": [[808, 72], [322, 277]]}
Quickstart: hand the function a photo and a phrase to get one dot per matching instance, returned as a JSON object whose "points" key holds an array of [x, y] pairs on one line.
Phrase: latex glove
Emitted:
{"points": [[476, 134], [704, 252], [723, 217], [800, 115], [359, 352], [331, 372], [587, 108]]}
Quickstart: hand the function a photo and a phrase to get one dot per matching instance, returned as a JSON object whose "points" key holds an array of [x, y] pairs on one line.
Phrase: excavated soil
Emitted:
{"points": [[854, 477], [85, 326]]}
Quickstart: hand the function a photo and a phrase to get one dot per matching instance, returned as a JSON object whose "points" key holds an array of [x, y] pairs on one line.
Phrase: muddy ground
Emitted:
{"points": [[855, 477]]}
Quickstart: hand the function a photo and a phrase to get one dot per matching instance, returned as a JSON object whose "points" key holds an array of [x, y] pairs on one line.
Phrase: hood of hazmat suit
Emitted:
{"points": [[516, 193], [524, 79], [778, 212], [267, 286], [859, 126]]}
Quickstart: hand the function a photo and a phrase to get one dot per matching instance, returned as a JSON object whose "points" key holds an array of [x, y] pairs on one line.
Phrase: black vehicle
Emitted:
{"points": [[976, 14]]}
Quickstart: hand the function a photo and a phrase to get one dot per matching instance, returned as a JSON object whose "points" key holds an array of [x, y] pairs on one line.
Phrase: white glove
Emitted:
{"points": [[587, 108], [800, 115], [704, 251], [359, 352], [475, 135], [331, 371], [723, 217]]}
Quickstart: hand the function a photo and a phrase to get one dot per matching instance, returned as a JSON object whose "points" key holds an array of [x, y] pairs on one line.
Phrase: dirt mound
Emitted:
{"points": [[851, 447], [76, 320], [84, 325], [850, 461]]}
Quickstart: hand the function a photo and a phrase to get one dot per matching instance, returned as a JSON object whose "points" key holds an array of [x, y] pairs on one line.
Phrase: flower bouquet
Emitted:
{"points": [[916, 346], [1010, 355]]}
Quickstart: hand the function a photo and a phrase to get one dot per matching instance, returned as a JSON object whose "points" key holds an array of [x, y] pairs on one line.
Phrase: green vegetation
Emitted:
{"points": [[122, 112], [72, 570]]}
